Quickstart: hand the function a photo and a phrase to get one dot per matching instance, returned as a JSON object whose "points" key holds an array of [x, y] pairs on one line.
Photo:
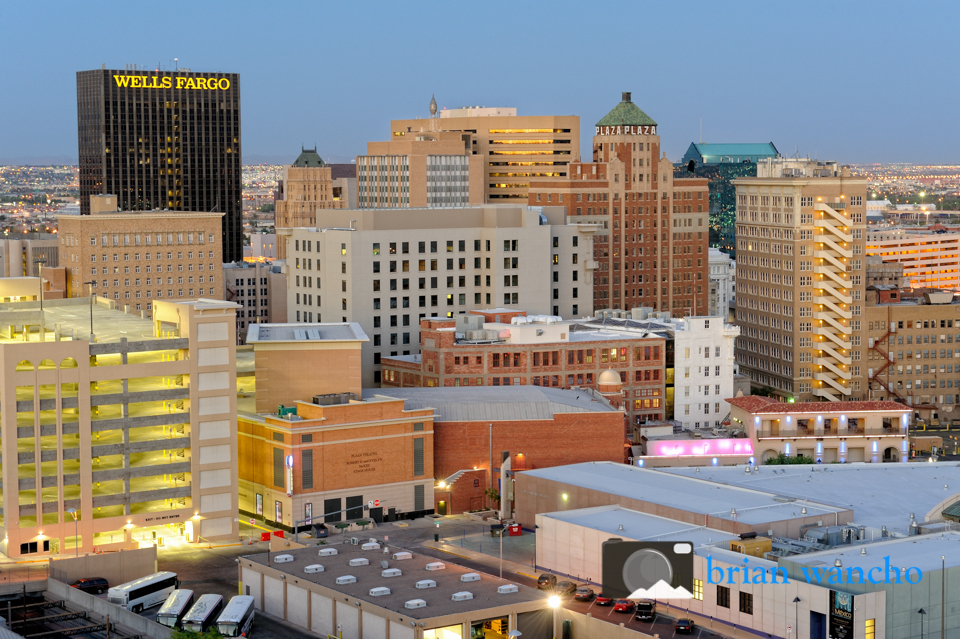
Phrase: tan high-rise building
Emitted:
{"points": [[136, 257], [133, 432], [515, 149], [310, 185], [800, 279], [651, 247], [423, 170]]}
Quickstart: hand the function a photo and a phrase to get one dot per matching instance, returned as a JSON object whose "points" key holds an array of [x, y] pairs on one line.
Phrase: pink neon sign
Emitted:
{"points": [[699, 447]]}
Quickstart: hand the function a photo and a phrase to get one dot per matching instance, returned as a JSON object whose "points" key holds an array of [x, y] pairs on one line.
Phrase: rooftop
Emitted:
{"points": [[879, 494], [626, 114], [734, 152], [694, 495], [321, 332], [638, 526], [403, 587], [758, 405], [504, 403], [309, 157], [919, 551]]}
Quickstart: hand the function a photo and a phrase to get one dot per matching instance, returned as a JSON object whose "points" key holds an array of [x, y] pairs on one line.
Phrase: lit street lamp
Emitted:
{"points": [[91, 283], [40, 262], [554, 602]]}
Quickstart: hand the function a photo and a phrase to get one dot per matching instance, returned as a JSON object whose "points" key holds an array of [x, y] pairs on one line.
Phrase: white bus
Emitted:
{"points": [[237, 617], [203, 614], [145, 592], [173, 609]]}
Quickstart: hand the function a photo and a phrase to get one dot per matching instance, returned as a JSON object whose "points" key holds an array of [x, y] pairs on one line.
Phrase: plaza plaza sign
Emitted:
{"points": [[156, 82], [627, 130]]}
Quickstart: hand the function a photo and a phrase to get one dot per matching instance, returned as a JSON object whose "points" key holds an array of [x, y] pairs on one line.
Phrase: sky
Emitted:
{"points": [[856, 82]]}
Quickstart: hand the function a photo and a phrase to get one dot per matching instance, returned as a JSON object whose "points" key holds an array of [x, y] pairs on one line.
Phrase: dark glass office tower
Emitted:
{"points": [[163, 140]]}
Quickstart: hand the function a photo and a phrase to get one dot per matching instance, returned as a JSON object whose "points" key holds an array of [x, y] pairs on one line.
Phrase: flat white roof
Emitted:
{"points": [[879, 494], [920, 551], [691, 494], [320, 332], [638, 526]]}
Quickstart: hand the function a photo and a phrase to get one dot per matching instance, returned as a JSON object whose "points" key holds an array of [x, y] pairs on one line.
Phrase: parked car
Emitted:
{"points": [[546, 581], [584, 594], [624, 605], [646, 610], [564, 588], [93, 585], [685, 626], [603, 600]]}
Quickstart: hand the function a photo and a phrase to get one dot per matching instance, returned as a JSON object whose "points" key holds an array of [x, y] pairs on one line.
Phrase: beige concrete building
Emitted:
{"points": [[422, 170], [930, 260], [136, 257], [134, 432], [514, 149], [23, 254], [310, 185], [386, 271], [260, 289], [800, 279]]}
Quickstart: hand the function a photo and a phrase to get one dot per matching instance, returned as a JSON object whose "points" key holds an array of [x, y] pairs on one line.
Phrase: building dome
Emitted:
{"points": [[609, 377]]}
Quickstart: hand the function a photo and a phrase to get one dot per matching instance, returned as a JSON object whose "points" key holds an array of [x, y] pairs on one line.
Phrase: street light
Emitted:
{"points": [[76, 534], [921, 612], [91, 283], [554, 602], [40, 262], [796, 614]]}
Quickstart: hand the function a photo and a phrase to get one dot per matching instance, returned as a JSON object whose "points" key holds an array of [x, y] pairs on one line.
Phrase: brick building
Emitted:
{"points": [[476, 429], [504, 347], [652, 249]]}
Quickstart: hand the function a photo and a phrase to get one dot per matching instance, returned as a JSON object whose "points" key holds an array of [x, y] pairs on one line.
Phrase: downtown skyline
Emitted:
{"points": [[830, 81]]}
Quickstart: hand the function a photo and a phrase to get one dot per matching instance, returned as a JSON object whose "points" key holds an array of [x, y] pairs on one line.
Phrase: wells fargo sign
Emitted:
{"points": [[156, 82]]}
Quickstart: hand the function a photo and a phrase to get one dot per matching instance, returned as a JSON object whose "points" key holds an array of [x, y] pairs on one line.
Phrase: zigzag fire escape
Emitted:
{"points": [[874, 375]]}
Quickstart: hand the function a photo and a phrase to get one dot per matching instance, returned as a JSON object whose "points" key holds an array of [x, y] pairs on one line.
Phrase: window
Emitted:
{"points": [[278, 467], [418, 457], [723, 596], [746, 603], [698, 589], [306, 469], [869, 629]]}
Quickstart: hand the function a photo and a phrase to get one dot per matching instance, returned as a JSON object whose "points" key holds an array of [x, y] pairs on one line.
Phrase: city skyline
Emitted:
{"points": [[749, 77]]}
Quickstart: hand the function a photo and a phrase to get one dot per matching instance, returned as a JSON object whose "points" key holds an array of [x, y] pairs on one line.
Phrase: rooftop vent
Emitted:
{"points": [[379, 591], [282, 559], [402, 555], [415, 603], [462, 596], [360, 561], [423, 584], [371, 546], [470, 576], [327, 552], [346, 579], [391, 572], [436, 565], [313, 569], [507, 589]]}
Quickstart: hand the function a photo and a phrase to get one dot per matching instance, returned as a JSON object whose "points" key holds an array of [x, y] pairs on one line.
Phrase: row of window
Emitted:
{"points": [[155, 239]]}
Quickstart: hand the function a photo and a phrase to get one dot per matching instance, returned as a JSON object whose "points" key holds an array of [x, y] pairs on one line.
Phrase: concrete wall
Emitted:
{"points": [[116, 567], [118, 615]]}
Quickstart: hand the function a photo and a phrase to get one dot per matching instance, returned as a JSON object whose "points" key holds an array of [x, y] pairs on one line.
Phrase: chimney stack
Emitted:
{"points": [[626, 96]]}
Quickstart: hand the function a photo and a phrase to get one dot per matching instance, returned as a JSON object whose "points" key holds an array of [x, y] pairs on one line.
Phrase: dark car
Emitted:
{"points": [[685, 625], [624, 605], [646, 610], [564, 588], [546, 581], [584, 594], [603, 600], [93, 585]]}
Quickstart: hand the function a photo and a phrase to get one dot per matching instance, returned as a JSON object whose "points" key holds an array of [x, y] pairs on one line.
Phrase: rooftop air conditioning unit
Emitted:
{"points": [[462, 596], [282, 559], [423, 584], [436, 565], [360, 561], [371, 546], [415, 603], [391, 572], [354, 541], [470, 576], [314, 568], [402, 555], [346, 579], [379, 591], [327, 552], [507, 589]]}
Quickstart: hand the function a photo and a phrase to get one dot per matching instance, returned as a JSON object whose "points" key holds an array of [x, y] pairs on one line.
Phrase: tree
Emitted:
{"points": [[493, 495], [765, 391], [190, 634], [782, 460]]}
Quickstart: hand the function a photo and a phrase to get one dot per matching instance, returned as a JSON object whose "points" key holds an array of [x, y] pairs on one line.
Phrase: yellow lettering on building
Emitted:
{"points": [[156, 82]]}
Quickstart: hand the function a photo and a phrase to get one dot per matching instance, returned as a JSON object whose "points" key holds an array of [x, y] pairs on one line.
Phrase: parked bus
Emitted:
{"points": [[203, 614], [174, 608], [237, 617], [145, 592]]}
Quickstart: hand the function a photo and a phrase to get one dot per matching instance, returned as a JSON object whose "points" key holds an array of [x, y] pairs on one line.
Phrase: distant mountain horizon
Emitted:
{"points": [[253, 159]]}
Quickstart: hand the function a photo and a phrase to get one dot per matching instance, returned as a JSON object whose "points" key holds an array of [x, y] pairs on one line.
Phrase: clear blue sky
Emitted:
{"points": [[851, 81]]}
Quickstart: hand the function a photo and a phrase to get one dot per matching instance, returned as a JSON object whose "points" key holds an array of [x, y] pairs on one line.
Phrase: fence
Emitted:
{"points": [[16, 574]]}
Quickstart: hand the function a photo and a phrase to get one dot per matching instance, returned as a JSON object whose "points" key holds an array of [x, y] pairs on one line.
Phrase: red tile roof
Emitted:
{"points": [[756, 404]]}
